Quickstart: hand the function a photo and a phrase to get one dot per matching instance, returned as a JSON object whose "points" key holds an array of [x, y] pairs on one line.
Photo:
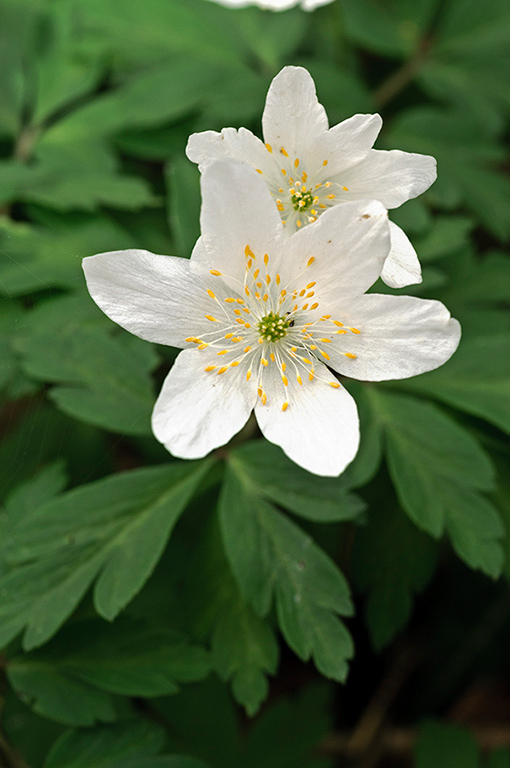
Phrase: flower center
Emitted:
{"points": [[272, 327], [302, 199]]}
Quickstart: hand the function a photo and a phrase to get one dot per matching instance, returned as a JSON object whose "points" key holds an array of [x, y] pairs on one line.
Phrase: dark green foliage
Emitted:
{"points": [[127, 576]]}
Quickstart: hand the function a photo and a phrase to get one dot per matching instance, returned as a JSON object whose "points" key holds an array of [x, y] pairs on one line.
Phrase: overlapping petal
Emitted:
{"points": [[348, 244], [319, 430], [197, 411], [208, 146], [390, 176], [399, 337], [343, 145], [402, 266], [237, 210]]}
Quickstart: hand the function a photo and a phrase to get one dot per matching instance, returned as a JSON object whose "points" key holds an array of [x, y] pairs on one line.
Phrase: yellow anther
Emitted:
{"points": [[237, 311], [327, 184], [313, 346], [284, 366], [340, 331], [264, 361], [314, 306], [256, 274], [246, 290], [310, 376], [326, 341], [280, 206], [322, 206], [245, 309], [324, 354], [285, 380], [331, 197], [299, 379], [234, 363], [284, 171], [240, 320], [229, 301], [210, 368], [325, 317], [248, 252], [304, 177], [257, 295], [305, 306], [336, 322], [310, 285], [214, 272], [284, 151], [283, 292], [249, 263], [265, 297], [228, 335], [299, 223], [310, 261], [325, 162], [248, 375], [264, 398], [223, 352], [285, 406], [237, 339], [259, 391], [296, 162], [259, 285], [278, 279], [202, 346], [268, 279], [345, 189], [240, 301], [261, 340], [269, 147], [222, 370], [349, 354], [211, 294], [258, 170], [334, 384], [266, 259], [307, 361], [211, 318], [192, 338], [246, 349], [354, 330], [271, 355], [292, 191]]}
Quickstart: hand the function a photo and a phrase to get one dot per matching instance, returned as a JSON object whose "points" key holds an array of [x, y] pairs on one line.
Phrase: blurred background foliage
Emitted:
{"points": [[227, 648]]}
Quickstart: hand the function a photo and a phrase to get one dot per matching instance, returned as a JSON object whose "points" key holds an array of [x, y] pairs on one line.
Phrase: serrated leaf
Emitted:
{"points": [[113, 530], [278, 479], [392, 562], [438, 470], [93, 660], [243, 646], [107, 378], [106, 745], [272, 558]]}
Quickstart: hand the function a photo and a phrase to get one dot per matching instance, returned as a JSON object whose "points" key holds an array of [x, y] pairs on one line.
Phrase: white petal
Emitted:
{"points": [[197, 410], [237, 210], [292, 116], [348, 243], [319, 430], [344, 145], [391, 177], [400, 336], [207, 147], [402, 266], [159, 298]]}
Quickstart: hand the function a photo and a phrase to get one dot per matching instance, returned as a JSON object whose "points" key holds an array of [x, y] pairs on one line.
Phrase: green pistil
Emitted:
{"points": [[302, 201], [272, 327]]}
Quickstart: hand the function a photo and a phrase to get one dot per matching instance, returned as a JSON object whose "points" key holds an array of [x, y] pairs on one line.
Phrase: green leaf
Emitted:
{"points": [[272, 557], [107, 377], [183, 182], [466, 158], [392, 562], [113, 530], [278, 479], [93, 660], [243, 646], [442, 745], [106, 745], [476, 379], [438, 470]]}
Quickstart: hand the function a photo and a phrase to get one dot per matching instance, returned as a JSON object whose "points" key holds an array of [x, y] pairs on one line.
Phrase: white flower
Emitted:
{"points": [[309, 168], [274, 5], [263, 317]]}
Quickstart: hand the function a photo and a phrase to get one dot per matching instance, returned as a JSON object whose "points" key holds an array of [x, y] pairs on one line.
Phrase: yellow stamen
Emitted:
{"points": [[210, 368], [285, 380], [324, 354], [202, 346], [269, 147], [326, 341], [345, 189], [234, 363], [354, 330], [349, 354], [284, 151], [248, 252], [223, 352], [222, 370], [334, 384], [296, 162], [230, 301], [299, 379], [314, 306], [325, 162], [266, 259], [211, 294], [247, 349], [285, 406], [211, 318], [214, 272], [258, 170], [264, 362], [310, 261], [248, 375]]}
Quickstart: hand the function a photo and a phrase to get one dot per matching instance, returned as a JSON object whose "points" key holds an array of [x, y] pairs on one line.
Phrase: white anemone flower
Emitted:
{"points": [[309, 168], [262, 318], [274, 5]]}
